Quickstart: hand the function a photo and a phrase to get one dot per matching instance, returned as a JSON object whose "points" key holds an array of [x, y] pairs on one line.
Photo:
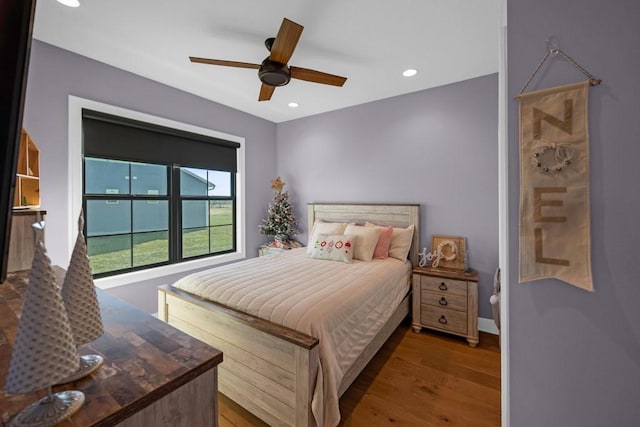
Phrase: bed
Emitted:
{"points": [[276, 361]]}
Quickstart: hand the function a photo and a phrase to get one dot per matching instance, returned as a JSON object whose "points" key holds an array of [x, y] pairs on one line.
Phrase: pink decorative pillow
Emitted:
{"points": [[382, 247], [400, 241]]}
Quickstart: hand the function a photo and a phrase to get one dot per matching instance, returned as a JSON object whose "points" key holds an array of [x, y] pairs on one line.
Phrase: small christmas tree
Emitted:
{"points": [[280, 221]]}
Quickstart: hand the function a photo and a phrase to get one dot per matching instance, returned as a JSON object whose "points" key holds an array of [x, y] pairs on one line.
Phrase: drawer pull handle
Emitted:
{"points": [[442, 320], [443, 301], [442, 287]]}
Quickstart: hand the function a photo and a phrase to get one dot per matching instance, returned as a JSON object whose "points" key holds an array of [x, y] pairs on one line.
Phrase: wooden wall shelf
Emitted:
{"points": [[27, 192]]}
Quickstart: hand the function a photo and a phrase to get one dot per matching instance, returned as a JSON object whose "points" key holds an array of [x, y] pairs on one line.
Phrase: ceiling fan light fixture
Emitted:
{"points": [[70, 3], [410, 72], [293, 104], [274, 73]]}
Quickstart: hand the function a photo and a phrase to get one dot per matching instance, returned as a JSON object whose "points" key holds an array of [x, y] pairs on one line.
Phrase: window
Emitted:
{"points": [[207, 212], [148, 203]]}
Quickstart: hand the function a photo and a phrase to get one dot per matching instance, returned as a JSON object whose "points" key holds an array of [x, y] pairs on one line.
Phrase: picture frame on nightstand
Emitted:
{"points": [[453, 249]]}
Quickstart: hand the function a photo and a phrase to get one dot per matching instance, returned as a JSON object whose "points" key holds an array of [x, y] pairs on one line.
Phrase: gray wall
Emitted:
{"points": [[55, 73], [575, 355], [436, 147]]}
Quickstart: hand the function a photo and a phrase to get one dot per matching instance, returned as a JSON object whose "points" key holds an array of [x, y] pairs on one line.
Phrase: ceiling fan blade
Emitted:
{"points": [[265, 92], [285, 41], [224, 63], [316, 76]]}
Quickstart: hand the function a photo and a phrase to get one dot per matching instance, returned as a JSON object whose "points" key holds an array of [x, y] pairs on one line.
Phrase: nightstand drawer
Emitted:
{"points": [[445, 319], [437, 284], [444, 300]]}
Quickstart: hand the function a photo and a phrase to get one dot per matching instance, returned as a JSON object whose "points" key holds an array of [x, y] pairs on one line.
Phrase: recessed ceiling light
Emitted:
{"points": [[410, 72], [293, 105], [70, 3]]}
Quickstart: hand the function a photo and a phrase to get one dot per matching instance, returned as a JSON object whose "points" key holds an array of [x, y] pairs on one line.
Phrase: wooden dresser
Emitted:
{"points": [[447, 301], [22, 244], [153, 374]]}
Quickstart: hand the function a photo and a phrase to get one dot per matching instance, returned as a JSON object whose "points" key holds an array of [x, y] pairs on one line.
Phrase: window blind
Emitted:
{"points": [[113, 137]]}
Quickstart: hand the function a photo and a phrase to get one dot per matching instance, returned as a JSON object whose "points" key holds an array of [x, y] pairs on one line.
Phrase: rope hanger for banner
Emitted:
{"points": [[554, 50]]}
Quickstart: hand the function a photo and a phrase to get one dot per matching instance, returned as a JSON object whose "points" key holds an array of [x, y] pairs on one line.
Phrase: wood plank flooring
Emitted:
{"points": [[425, 379]]}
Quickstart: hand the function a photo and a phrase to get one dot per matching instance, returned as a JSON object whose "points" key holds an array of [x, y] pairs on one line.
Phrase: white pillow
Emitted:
{"points": [[336, 247], [367, 240], [400, 241], [321, 227]]}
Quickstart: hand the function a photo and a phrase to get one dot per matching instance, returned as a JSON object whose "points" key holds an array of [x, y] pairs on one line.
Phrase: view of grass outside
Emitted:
{"points": [[114, 252], [219, 234], [111, 253]]}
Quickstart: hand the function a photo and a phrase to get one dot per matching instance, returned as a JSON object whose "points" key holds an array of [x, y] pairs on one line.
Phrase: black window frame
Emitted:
{"points": [[178, 226], [131, 198], [173, 196]]}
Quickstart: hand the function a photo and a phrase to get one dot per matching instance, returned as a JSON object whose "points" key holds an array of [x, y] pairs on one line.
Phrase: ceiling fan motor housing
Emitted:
{"points": [[274, 73]]}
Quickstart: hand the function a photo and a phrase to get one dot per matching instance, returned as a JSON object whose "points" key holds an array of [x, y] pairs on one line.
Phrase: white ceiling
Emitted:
{"points": [[368, 41]]}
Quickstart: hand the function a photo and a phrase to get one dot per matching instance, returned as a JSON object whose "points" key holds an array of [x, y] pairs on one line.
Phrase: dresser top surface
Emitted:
{"points": [[469, 275]]}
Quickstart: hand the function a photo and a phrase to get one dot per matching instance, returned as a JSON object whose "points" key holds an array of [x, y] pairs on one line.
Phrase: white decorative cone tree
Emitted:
{"points": [[44, 350], [81, 302]]}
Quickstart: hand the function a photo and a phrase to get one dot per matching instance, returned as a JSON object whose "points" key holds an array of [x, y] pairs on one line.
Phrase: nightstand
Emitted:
{"points": [[277, 247], [447, 301], [265, 250]]}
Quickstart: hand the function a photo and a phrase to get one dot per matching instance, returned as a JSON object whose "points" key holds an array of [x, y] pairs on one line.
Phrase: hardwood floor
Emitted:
{"points": [[425, 379]]}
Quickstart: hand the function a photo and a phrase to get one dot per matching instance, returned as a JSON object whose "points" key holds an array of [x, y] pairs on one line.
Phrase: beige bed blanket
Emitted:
{"points": [[343, 305]]}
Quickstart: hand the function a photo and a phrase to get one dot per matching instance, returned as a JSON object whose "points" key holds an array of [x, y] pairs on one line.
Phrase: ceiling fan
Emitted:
{"points": [[274, 70]]}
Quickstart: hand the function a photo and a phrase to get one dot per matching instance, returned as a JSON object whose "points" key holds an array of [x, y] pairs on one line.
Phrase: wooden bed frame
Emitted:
{"points": [[269, 369]]}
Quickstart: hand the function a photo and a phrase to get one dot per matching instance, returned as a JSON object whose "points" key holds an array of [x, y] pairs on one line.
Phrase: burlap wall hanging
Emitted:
{"points": [[555, 237]]}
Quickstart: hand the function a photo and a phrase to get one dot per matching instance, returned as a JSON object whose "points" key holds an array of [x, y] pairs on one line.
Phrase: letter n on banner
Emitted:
{"points": [[555, 236]]}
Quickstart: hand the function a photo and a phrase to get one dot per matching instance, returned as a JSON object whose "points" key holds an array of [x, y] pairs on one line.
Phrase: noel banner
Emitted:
{"points": [[555, 237]]}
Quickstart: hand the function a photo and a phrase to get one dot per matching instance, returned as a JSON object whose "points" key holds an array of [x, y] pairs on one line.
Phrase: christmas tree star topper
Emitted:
{"points": [[277, 184]]}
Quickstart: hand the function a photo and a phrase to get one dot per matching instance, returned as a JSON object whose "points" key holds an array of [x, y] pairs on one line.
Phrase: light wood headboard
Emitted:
{"points": [[396, 215]]}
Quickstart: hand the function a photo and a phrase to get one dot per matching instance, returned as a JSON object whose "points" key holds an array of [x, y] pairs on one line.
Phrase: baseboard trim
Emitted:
{"points": [[488, 326]]}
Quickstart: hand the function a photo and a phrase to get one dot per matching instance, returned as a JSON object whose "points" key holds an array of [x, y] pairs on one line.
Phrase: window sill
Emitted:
{"points": [[125, 279]]}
